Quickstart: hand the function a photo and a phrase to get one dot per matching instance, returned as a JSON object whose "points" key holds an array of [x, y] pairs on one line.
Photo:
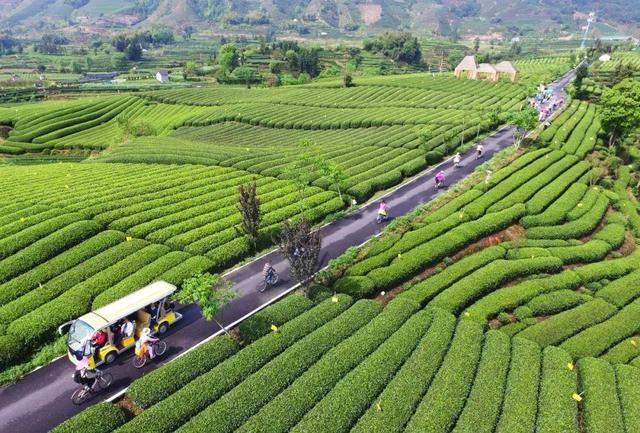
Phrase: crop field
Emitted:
{"points": [[514, 306], [78, 231]]}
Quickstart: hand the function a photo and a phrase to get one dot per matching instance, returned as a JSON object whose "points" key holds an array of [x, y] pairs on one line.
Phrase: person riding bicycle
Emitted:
{"points": [[456, 160], [440, 178], [268, 271], [383, 211], [84, 374], [146, 342]]}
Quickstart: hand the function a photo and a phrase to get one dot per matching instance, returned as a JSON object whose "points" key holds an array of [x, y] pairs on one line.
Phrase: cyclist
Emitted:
{"points": [[268, 270], [383, 212], [456, 160], [440, 178], [146, 342], [479, 150], [84, 374]]}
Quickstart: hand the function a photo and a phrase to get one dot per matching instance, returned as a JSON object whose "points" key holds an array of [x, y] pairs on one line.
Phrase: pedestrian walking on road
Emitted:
{"points": [[479, 150]]}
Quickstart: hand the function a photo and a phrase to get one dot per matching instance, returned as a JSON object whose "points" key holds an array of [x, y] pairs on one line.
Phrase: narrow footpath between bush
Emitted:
{"points": [[42, 399]]}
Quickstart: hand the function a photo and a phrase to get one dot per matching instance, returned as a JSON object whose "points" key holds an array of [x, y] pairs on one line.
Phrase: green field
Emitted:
{"points": [[511, 304]]}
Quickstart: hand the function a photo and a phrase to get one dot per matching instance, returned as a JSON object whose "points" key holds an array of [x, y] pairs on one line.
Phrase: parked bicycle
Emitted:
{"points": [[103, 381]]}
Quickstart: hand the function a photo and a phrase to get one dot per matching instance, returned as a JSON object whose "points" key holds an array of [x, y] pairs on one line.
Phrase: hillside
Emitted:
{"points": [[312, 18]]}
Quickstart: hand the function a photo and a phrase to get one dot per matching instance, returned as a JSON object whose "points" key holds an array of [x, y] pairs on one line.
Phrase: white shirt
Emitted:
{"points": [[127, 329]]}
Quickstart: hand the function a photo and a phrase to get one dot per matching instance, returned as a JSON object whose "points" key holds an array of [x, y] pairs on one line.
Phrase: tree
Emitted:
{"points": [[523, 121], [134, 52], [119, 61], [190, 69], [187, 32], [249, 207], [300, 245], [398, 46], [476, 45], [210, 292], [245, 74], [347, 80], [425, 135], [228, 57], [620, 113], [76, 68], [333, 172]]}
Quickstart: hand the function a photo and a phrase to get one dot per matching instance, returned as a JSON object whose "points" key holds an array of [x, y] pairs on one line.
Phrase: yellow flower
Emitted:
{"points": [[378, 407], [577, 397], [334, 298], [467, 314], [274, 328], [461, 215], [129, 238], [580, 205], [22, 219], [570, 366], [634, 343]]}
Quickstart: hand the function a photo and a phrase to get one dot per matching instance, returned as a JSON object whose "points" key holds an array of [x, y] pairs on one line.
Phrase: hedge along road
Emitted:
{"points": [[42, 399]]}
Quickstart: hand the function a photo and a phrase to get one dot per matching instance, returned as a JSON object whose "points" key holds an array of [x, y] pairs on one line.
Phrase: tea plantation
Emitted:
{"points": [[146, 184], [512, 306]]}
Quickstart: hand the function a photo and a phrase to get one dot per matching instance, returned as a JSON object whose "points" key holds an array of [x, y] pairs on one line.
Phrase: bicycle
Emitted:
{"points": [[81, 395], [159, 348], [269, 281]]}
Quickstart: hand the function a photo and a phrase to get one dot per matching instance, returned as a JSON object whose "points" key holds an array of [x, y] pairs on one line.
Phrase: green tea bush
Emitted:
{"points": [[164, 381], [602, 410], [277, 314], [520, 404], [444, 401], [101, 418], [403, 393], [557, 410]]}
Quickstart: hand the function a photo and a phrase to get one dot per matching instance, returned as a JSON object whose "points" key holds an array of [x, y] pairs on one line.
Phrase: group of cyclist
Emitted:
{"points": [[86, 375], [440, 178]]}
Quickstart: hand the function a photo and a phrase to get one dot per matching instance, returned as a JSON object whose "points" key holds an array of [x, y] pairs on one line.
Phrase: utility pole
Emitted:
{"points": [[592, 17]]}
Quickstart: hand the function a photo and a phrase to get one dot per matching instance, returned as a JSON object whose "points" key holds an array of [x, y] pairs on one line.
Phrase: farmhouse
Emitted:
{"points": [[162, 75], [487, 71]]}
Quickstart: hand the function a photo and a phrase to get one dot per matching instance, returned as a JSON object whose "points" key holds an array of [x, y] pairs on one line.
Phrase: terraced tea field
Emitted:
{"points": [[512, 307], [75, 235]]}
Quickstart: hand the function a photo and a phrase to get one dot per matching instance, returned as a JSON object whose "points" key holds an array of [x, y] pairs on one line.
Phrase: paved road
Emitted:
{"points": [[41, 400]]}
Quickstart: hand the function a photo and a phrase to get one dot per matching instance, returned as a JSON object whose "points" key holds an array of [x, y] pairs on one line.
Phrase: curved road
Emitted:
{"points": [[41, 400]]}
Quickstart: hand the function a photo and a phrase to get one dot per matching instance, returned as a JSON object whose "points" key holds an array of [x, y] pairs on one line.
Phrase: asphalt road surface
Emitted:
{"points": [[42, 399]]}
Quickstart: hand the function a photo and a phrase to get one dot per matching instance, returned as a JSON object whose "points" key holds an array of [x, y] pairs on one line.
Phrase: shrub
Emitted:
{"points": [[101, 418], [44, 272], [170, 413], [402, 395], [599, 337], [240, 403], [424, 291], [521, 394], [557, 410], [483, 405], [621, 291], [448, 392], [627, 379], [576, 228], [601, 405], [554, 302], [490, 277], [316, 400], [508, 298], [557, 328], [161, 383], [277, 314], [557, 211], [358, 287]]}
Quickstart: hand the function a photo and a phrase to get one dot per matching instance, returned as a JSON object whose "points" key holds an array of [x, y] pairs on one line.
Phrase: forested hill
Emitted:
{"points": [[330, 17]]}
